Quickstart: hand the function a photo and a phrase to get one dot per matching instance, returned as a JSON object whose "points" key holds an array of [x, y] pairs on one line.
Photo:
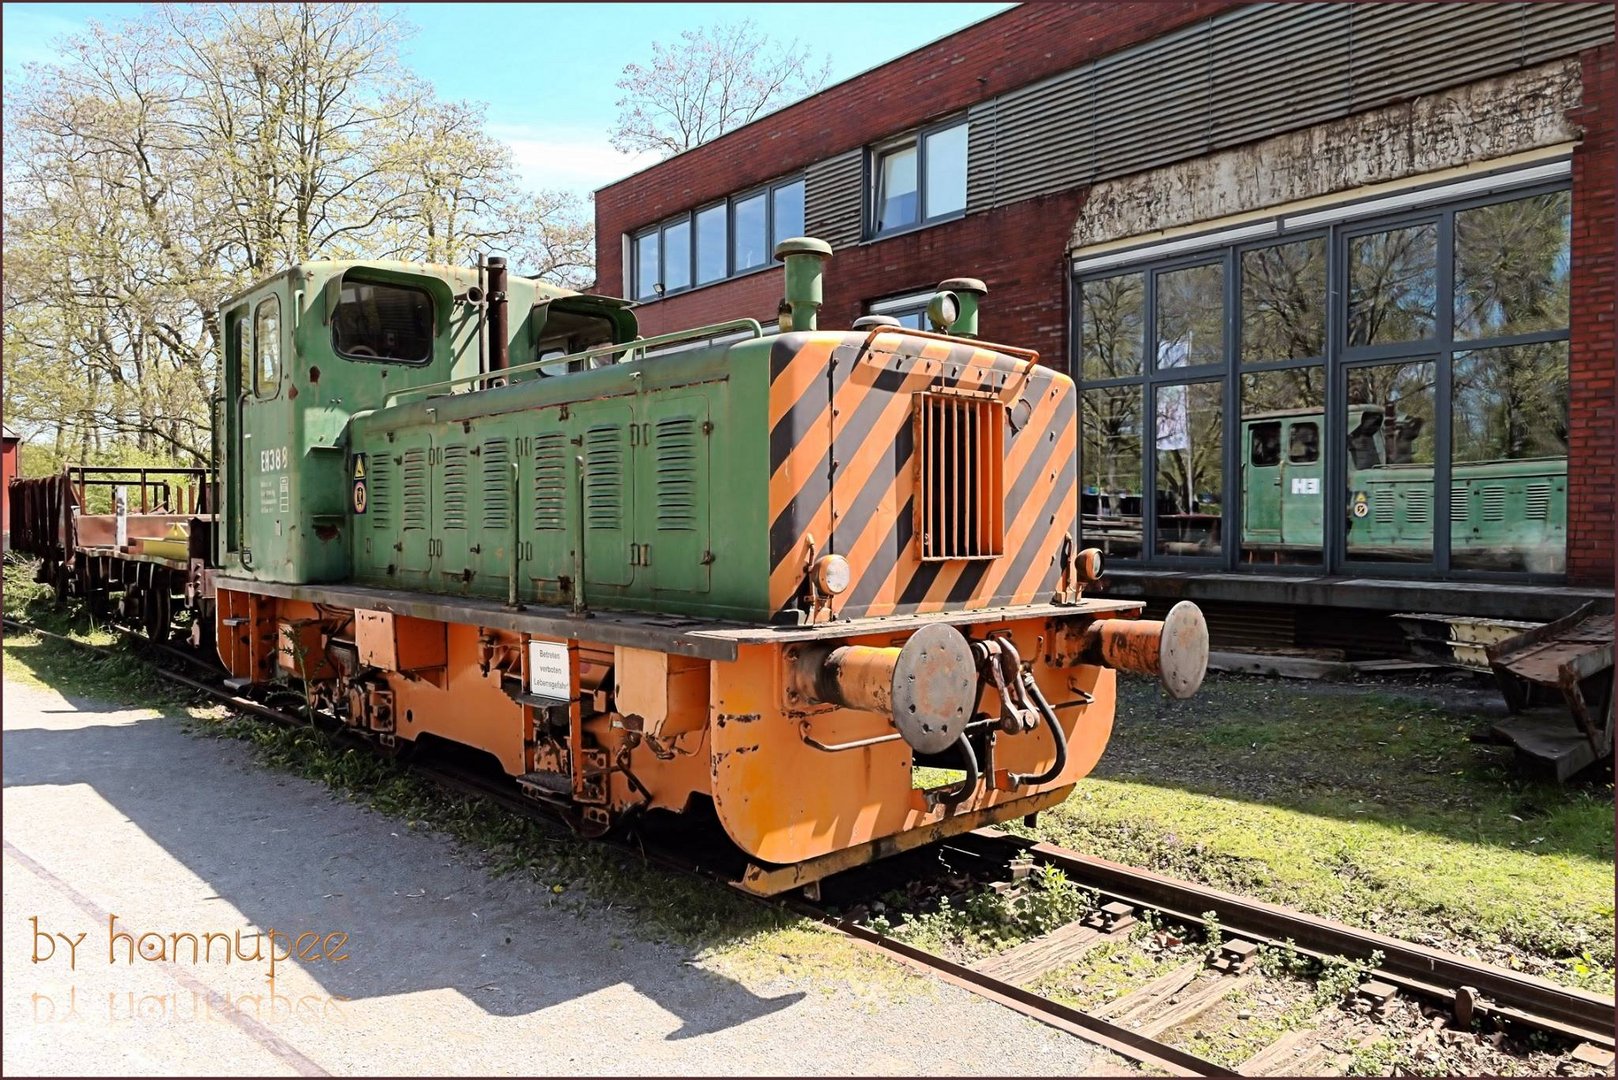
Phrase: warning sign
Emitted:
{"points": [[361, 498], [1362, 505]]}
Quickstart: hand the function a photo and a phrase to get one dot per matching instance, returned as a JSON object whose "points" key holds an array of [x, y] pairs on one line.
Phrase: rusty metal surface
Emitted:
{"points": [[635, 631], [898, 624], [935, 682], [1175, 649]]}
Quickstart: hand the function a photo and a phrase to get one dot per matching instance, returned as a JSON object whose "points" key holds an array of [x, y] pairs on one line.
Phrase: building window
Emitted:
{"points": [[919, 179], [716, 242], [1390, 392], [267, 347], [910, 310]]}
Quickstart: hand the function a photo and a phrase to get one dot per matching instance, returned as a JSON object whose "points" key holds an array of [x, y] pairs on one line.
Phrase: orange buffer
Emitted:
{"points": [[804, 742]]}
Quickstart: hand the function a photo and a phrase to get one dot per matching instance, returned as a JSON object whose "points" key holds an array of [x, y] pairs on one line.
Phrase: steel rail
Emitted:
{"points": [[1428, 972]]}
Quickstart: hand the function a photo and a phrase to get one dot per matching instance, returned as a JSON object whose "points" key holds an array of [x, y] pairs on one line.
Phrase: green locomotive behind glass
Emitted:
{"points": [[1509, 514]]}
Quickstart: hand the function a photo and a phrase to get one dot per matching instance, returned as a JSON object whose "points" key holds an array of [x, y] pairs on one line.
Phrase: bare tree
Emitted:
{"points": [[716, 79], [179, 158]]}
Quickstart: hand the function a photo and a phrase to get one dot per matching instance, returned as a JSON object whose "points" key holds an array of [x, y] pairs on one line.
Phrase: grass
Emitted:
{"points": [[1376, 808]]}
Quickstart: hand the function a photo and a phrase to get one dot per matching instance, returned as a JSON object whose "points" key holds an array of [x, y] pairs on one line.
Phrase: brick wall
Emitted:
{"points": [[1014, 48], [1019, 251], [1591, 519]]}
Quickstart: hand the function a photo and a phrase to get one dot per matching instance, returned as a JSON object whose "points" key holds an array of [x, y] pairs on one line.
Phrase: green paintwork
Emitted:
{"points": [[1498, 509], [675, 484]]}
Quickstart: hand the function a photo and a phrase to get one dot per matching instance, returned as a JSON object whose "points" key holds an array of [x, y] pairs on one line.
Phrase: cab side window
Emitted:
{"points": [[243, 358], [1266, 445], [377, 321], [267, 347]]}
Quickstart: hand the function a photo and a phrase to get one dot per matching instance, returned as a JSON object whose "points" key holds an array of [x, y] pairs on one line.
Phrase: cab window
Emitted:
{"points": [[1266, 445], [1304, 444], [242, 343], [378, 321], [267, 347]]}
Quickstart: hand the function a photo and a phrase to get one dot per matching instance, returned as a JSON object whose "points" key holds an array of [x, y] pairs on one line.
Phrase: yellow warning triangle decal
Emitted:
{"points": [[359, 468]]}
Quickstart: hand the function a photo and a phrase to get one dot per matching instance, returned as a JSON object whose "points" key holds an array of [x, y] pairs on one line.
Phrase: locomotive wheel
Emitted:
{"points": [[157, 612]]}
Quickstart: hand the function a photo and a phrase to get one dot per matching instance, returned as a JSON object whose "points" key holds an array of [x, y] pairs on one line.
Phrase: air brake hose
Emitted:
{"points": [[970, 781], [1060, 738]]}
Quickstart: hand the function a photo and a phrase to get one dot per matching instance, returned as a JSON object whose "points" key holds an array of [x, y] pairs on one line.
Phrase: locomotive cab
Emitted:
{"points": [[309, 348]]}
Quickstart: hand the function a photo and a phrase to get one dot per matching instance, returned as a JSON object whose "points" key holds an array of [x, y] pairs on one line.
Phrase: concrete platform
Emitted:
{"points": [[121, 813]]}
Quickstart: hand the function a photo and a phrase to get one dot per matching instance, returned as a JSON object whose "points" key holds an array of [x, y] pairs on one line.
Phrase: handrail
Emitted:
{"points": [[637, 345], [1029, 355]]}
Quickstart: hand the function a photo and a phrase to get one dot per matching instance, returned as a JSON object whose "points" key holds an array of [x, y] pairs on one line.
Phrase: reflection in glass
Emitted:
{"points": [[1190, 468], [1113, 332], [1393, 285], [747, 242], [1283, 473], [1191, 316], [946, 171], [1284, 301], [1110, 496], [788, 209], [1390, 467], [896, 190], [1509, 445], [711, 244], [677, 256], [646, 268], [1512, 267]]}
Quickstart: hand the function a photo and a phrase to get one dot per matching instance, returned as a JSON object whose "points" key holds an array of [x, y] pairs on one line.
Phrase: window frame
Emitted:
{"points": [[432, 327], [915, 139], [1336, 362], [689, 219], [259, 391]]}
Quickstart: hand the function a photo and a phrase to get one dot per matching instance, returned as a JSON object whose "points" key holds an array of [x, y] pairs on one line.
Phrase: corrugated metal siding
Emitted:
{"points": [[833, 193], [1247, 74]]}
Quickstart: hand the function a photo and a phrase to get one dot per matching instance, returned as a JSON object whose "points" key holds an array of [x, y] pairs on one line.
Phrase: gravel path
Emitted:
{"points": [[447, 970]]}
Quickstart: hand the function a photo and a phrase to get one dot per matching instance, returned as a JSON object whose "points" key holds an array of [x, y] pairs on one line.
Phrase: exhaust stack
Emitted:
{"points": [[805, 259]]}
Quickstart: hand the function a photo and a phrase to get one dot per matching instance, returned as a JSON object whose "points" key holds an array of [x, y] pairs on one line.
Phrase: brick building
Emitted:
{"points": [[1288, 250]]}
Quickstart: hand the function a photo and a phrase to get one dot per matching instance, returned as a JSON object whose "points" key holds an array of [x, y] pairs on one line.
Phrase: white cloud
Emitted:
{"points": [[575, 159]]}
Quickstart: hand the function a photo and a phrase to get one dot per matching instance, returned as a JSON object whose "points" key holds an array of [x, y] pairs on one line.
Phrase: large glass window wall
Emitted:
{"points": [[1382, 393]]}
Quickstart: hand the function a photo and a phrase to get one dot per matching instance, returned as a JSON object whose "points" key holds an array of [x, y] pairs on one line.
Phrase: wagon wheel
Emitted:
{"points": [[157, 610]]}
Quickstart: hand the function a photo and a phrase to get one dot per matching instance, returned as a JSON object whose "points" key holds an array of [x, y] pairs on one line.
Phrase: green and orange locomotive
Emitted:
{"points": [[772, 573]]}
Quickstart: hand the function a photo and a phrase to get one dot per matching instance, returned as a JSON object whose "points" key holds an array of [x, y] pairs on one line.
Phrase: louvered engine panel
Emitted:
{"points": [[497, 484], [455, 487], [550, 482]]}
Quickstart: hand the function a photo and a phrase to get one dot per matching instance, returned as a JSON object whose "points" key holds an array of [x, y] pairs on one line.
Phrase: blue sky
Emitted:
{"points": [[547, 71]]}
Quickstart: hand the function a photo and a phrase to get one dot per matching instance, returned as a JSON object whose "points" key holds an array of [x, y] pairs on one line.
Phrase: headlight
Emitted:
{"points": [[832, 575]]}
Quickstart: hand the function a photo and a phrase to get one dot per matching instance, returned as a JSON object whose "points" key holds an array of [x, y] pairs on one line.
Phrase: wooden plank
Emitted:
{"points": [[1135, 1003], [1282, 1056], [1028, 961], [1194, 1004]]}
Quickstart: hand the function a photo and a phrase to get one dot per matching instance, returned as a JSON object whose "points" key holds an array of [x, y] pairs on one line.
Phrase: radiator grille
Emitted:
{"points": [[497, 509], [455, 458], [415, 488], [380, 482], [1419, 505], [960, 496], [1537, 503], [1458, 500], [1382, 506], [550, 481], [676, 449], [604, 477], [1494, 503]]}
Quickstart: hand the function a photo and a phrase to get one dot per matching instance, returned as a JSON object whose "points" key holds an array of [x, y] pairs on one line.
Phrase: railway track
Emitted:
{"points": [[1139, 1025]]}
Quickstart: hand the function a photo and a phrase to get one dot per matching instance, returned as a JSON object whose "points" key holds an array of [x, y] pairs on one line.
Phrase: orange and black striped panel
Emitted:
{"points": [[844, 470]]}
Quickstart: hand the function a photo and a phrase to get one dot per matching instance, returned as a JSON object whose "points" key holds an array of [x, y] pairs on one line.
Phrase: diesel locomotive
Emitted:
{"points": [[770, 573]]}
